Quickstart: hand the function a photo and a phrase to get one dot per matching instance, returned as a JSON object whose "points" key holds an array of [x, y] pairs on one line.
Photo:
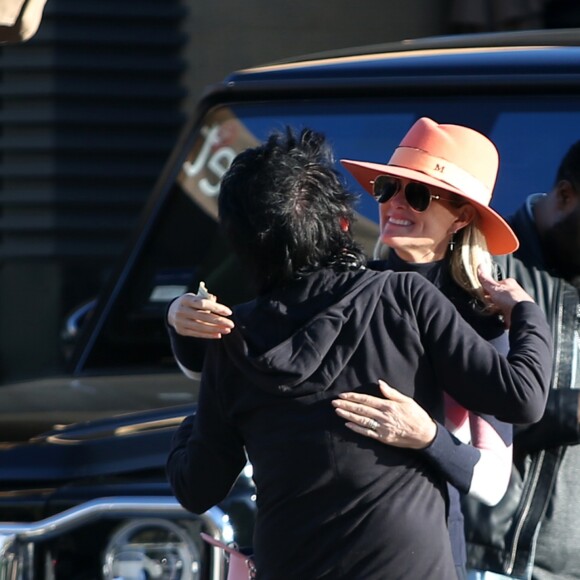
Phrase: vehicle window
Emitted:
{"points": [[184, 245]]}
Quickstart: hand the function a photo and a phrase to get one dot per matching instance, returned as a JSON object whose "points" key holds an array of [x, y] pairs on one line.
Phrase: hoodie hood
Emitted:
{"points": [[297, 340]]}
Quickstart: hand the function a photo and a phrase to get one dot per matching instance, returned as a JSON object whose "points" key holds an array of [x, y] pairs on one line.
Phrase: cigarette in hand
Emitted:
{"points": [[202, 291]]}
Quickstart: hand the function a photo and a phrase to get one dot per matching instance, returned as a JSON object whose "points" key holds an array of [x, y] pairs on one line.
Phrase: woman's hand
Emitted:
{"points": [[503, 294], [397, 419], [192, 315]]}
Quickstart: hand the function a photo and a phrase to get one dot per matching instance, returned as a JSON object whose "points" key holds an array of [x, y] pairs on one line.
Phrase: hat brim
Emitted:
{"points": [[499, 236]]}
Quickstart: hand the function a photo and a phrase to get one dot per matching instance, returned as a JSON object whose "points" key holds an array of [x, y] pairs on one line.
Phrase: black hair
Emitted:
{"points": [[569, 169], [282, 205]]}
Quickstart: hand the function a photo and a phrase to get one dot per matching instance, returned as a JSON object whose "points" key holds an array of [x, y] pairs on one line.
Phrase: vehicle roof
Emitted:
{"points": [[501, 53]]}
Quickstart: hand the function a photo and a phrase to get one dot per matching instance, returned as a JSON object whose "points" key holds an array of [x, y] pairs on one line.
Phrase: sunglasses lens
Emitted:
{"points": [[418, 196], [385, 187]]}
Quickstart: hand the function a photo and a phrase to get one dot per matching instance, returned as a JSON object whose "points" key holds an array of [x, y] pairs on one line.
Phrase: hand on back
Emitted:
{"points": [[395, 419]]}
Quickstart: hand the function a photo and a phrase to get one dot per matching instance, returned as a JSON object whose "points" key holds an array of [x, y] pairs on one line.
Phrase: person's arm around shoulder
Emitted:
{"points": [[513, 388]]}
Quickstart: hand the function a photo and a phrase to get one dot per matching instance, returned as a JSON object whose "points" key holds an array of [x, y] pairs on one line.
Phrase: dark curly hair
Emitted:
{"points": [[281, 206]]}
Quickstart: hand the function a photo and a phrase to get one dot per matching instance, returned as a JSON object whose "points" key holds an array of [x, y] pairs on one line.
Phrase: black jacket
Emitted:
{"points": [[332, 504], [502, 538]]}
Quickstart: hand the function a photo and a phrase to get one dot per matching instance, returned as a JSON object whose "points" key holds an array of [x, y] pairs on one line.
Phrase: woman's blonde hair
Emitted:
{"points": [[468, 252]]}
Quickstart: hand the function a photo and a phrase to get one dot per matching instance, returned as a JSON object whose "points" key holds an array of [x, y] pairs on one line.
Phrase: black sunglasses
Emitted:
{"points": [[418, 195]]}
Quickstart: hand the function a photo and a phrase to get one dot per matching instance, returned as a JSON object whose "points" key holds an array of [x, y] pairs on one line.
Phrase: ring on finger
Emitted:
{"points": [[373, 425]]}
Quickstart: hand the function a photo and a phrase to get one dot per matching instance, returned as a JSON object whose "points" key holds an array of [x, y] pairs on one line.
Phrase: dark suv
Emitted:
{"points": [[83, 493]]}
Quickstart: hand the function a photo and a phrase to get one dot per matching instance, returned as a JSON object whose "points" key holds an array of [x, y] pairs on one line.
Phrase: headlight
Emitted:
{"points": [[151, 549]]}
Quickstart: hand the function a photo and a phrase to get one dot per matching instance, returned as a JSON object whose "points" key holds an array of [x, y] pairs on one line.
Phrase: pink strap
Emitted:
{"points": [[241, 566], [210, 540]]}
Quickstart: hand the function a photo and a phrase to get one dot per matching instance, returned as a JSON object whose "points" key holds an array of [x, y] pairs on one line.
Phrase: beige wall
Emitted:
{"points": [[226, 35]]}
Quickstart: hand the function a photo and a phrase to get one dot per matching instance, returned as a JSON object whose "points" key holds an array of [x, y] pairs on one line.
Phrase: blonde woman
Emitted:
{"points": [[435, 219]]}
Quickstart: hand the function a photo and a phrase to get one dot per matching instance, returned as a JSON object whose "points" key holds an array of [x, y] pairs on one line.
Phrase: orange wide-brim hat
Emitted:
{"points": [[452, 157]]}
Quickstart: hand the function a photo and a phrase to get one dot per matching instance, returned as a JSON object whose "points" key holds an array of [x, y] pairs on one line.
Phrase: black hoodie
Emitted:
{"points": [[333, 504]]}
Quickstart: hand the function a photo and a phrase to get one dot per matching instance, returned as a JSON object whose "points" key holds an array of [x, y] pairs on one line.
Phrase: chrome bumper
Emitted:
{"points": [[17, 540]]}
